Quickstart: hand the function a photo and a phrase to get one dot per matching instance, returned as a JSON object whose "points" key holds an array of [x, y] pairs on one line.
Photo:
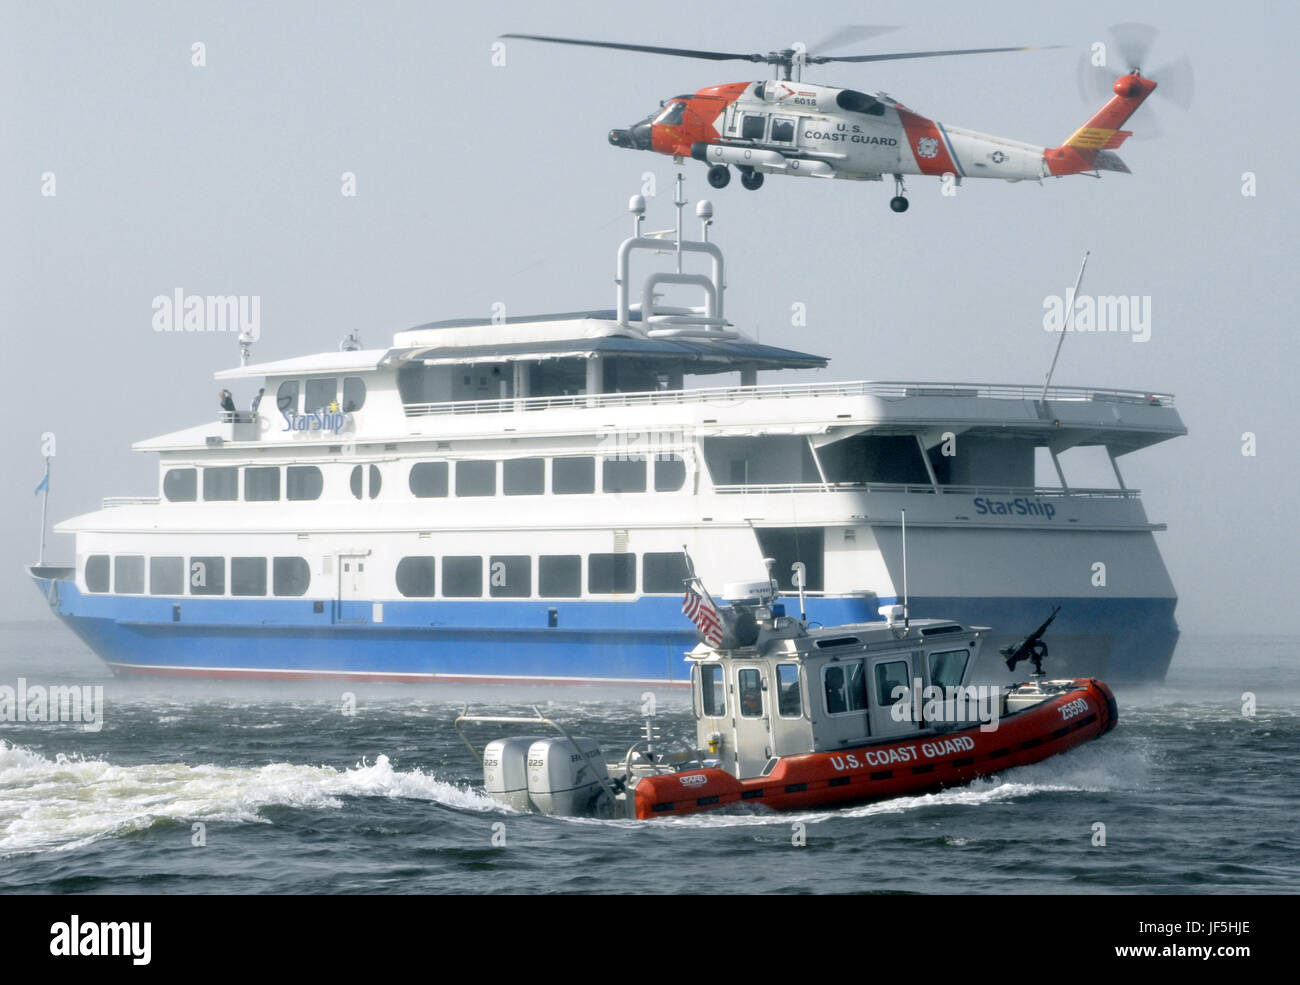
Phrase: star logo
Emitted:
{"points": [[333, 407], [998, 157]]}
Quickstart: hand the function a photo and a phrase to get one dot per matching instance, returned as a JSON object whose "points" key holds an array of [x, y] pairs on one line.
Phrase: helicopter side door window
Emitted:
{"points": [[753, 126], [782, 130]]}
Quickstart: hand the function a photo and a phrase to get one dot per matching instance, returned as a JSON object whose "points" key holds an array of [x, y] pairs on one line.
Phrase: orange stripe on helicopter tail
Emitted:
{"points": [[927, 144], [1102, 131]]}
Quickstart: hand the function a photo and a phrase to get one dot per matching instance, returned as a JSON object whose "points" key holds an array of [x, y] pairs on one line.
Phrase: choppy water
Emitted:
{"points": [[297, 796]]}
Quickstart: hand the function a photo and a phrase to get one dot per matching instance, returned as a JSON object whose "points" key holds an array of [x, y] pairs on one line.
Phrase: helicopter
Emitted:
{"points": [[790, 127]]}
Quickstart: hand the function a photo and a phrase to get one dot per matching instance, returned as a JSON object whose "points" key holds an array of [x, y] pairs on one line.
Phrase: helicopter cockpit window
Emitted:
{"points": [[859, 102], [672, 115], [782, 130]]}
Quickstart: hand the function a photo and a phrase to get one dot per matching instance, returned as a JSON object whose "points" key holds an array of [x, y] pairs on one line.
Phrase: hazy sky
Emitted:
{"points": [[479, 184]]}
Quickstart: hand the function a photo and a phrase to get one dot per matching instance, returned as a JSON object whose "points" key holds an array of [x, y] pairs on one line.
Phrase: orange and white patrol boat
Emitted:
{"points": [[796, 716]]}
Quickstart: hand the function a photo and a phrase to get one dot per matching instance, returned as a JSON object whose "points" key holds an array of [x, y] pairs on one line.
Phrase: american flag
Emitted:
{"points": [[700, 610]]}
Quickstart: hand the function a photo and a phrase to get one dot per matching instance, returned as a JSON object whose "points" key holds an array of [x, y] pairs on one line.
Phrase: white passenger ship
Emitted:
{"points": [[509, 501]]}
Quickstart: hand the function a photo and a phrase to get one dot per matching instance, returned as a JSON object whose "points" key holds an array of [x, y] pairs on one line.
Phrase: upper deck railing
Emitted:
{"points": [[1037, 492], [788, 391]]}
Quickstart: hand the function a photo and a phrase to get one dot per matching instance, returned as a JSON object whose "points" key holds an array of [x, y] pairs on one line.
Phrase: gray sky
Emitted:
{"points": [[479, 184]]}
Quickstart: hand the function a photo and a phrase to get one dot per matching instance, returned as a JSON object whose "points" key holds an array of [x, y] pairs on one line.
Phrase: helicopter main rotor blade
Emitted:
{"points": [[716, 56], [894, 56], [849, 34]]}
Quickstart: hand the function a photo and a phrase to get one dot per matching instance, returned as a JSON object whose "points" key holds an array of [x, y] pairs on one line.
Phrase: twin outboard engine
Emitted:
{"points": [[548, 775]]}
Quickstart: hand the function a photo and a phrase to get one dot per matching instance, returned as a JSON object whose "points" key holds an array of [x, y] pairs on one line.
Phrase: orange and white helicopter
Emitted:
{"points": [[786, 126]]}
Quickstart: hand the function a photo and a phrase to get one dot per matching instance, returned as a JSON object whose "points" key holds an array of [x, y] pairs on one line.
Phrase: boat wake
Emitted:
{"points": [[67, 802]]}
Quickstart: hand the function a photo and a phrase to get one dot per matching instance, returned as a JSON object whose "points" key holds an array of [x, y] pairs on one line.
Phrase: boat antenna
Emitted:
{"points": [[1069, 319], [680, 201], [902, 519], [44, 488]]}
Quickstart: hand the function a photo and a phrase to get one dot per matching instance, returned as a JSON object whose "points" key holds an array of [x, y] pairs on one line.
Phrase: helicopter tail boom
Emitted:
{"points": [[1091, 147]]}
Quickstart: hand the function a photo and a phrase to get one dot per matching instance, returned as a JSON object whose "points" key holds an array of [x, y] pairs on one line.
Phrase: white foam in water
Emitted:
{"points": [[64, 803]]}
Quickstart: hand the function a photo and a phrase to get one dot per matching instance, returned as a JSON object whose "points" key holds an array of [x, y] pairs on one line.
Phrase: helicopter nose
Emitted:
{"points": [[635, 137], [620, 138]]}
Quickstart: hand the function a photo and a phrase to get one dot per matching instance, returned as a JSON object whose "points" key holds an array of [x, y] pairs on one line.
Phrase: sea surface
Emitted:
{"points": [[291, 793]]}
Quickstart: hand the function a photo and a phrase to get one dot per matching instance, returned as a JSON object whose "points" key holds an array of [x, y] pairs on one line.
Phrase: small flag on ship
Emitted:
{"points": [[700, 610], [44, 484]]}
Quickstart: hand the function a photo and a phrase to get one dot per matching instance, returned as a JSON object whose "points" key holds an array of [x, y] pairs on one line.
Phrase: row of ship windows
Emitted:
{"points": [[573, 475], [417, 576]]}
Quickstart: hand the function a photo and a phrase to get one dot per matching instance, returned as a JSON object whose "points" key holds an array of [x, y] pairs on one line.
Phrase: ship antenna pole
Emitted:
{"points": [[679, 201], [902, 518], [1069, 319], [45, 506]]}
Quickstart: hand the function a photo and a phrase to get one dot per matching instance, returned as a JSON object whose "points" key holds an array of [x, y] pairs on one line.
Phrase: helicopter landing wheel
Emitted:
{"points": [[898, 203], [719, 176], [751, 179]]}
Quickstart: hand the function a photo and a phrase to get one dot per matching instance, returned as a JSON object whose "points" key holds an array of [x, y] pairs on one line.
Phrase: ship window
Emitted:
{"points": [[354, 393], [354, 481], [262, 484], [753, 126], [286, 397], [303, 482], [623, 475], [611, 573], [948, 668], [789, 702], [790, 544], [889, 678], [128, 574], [510, 576], [750, 696], [462, 577], [845, 685], [207, 576], [97, 573], [166, 576], [713, 694], [573, 475], [248, 576], [376, 481], [290, 576], [663, 573], [181, 485], [559, 576], [476, 478], [428, 479], [670, 473], [320, 394], [415, 577], [221, 485], [782, 130], [523, 476]]}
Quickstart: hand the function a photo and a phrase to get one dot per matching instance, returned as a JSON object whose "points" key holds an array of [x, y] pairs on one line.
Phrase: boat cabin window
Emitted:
{"points": [[248, 576], [290, 576], [670, 473], [890, 677], [428, 480], [623, 475], [948, 667], [354, 393], [845, 687], [523, 476], [782, 130], [181, 485], [713, 692], [752, 126], [672, 114], [415, 577], [320, 394], [376, 481], [303, 482], [611, 574], [750, 693], [286, 397], [573, 475], [207, 576], [262, 484], [663, 573], [476, 478], [510, 576], [462, 577], [97, 573], [789, 701], [221, 484], [128, 574], [559, 576], [166, 576]]}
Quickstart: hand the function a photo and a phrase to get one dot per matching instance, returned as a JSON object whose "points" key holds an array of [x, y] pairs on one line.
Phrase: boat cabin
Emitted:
{"points": [[799, 690]]}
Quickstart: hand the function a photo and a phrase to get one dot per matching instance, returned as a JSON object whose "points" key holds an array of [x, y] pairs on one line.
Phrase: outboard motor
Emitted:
{"points": [[505, 770], [567, 782]]}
